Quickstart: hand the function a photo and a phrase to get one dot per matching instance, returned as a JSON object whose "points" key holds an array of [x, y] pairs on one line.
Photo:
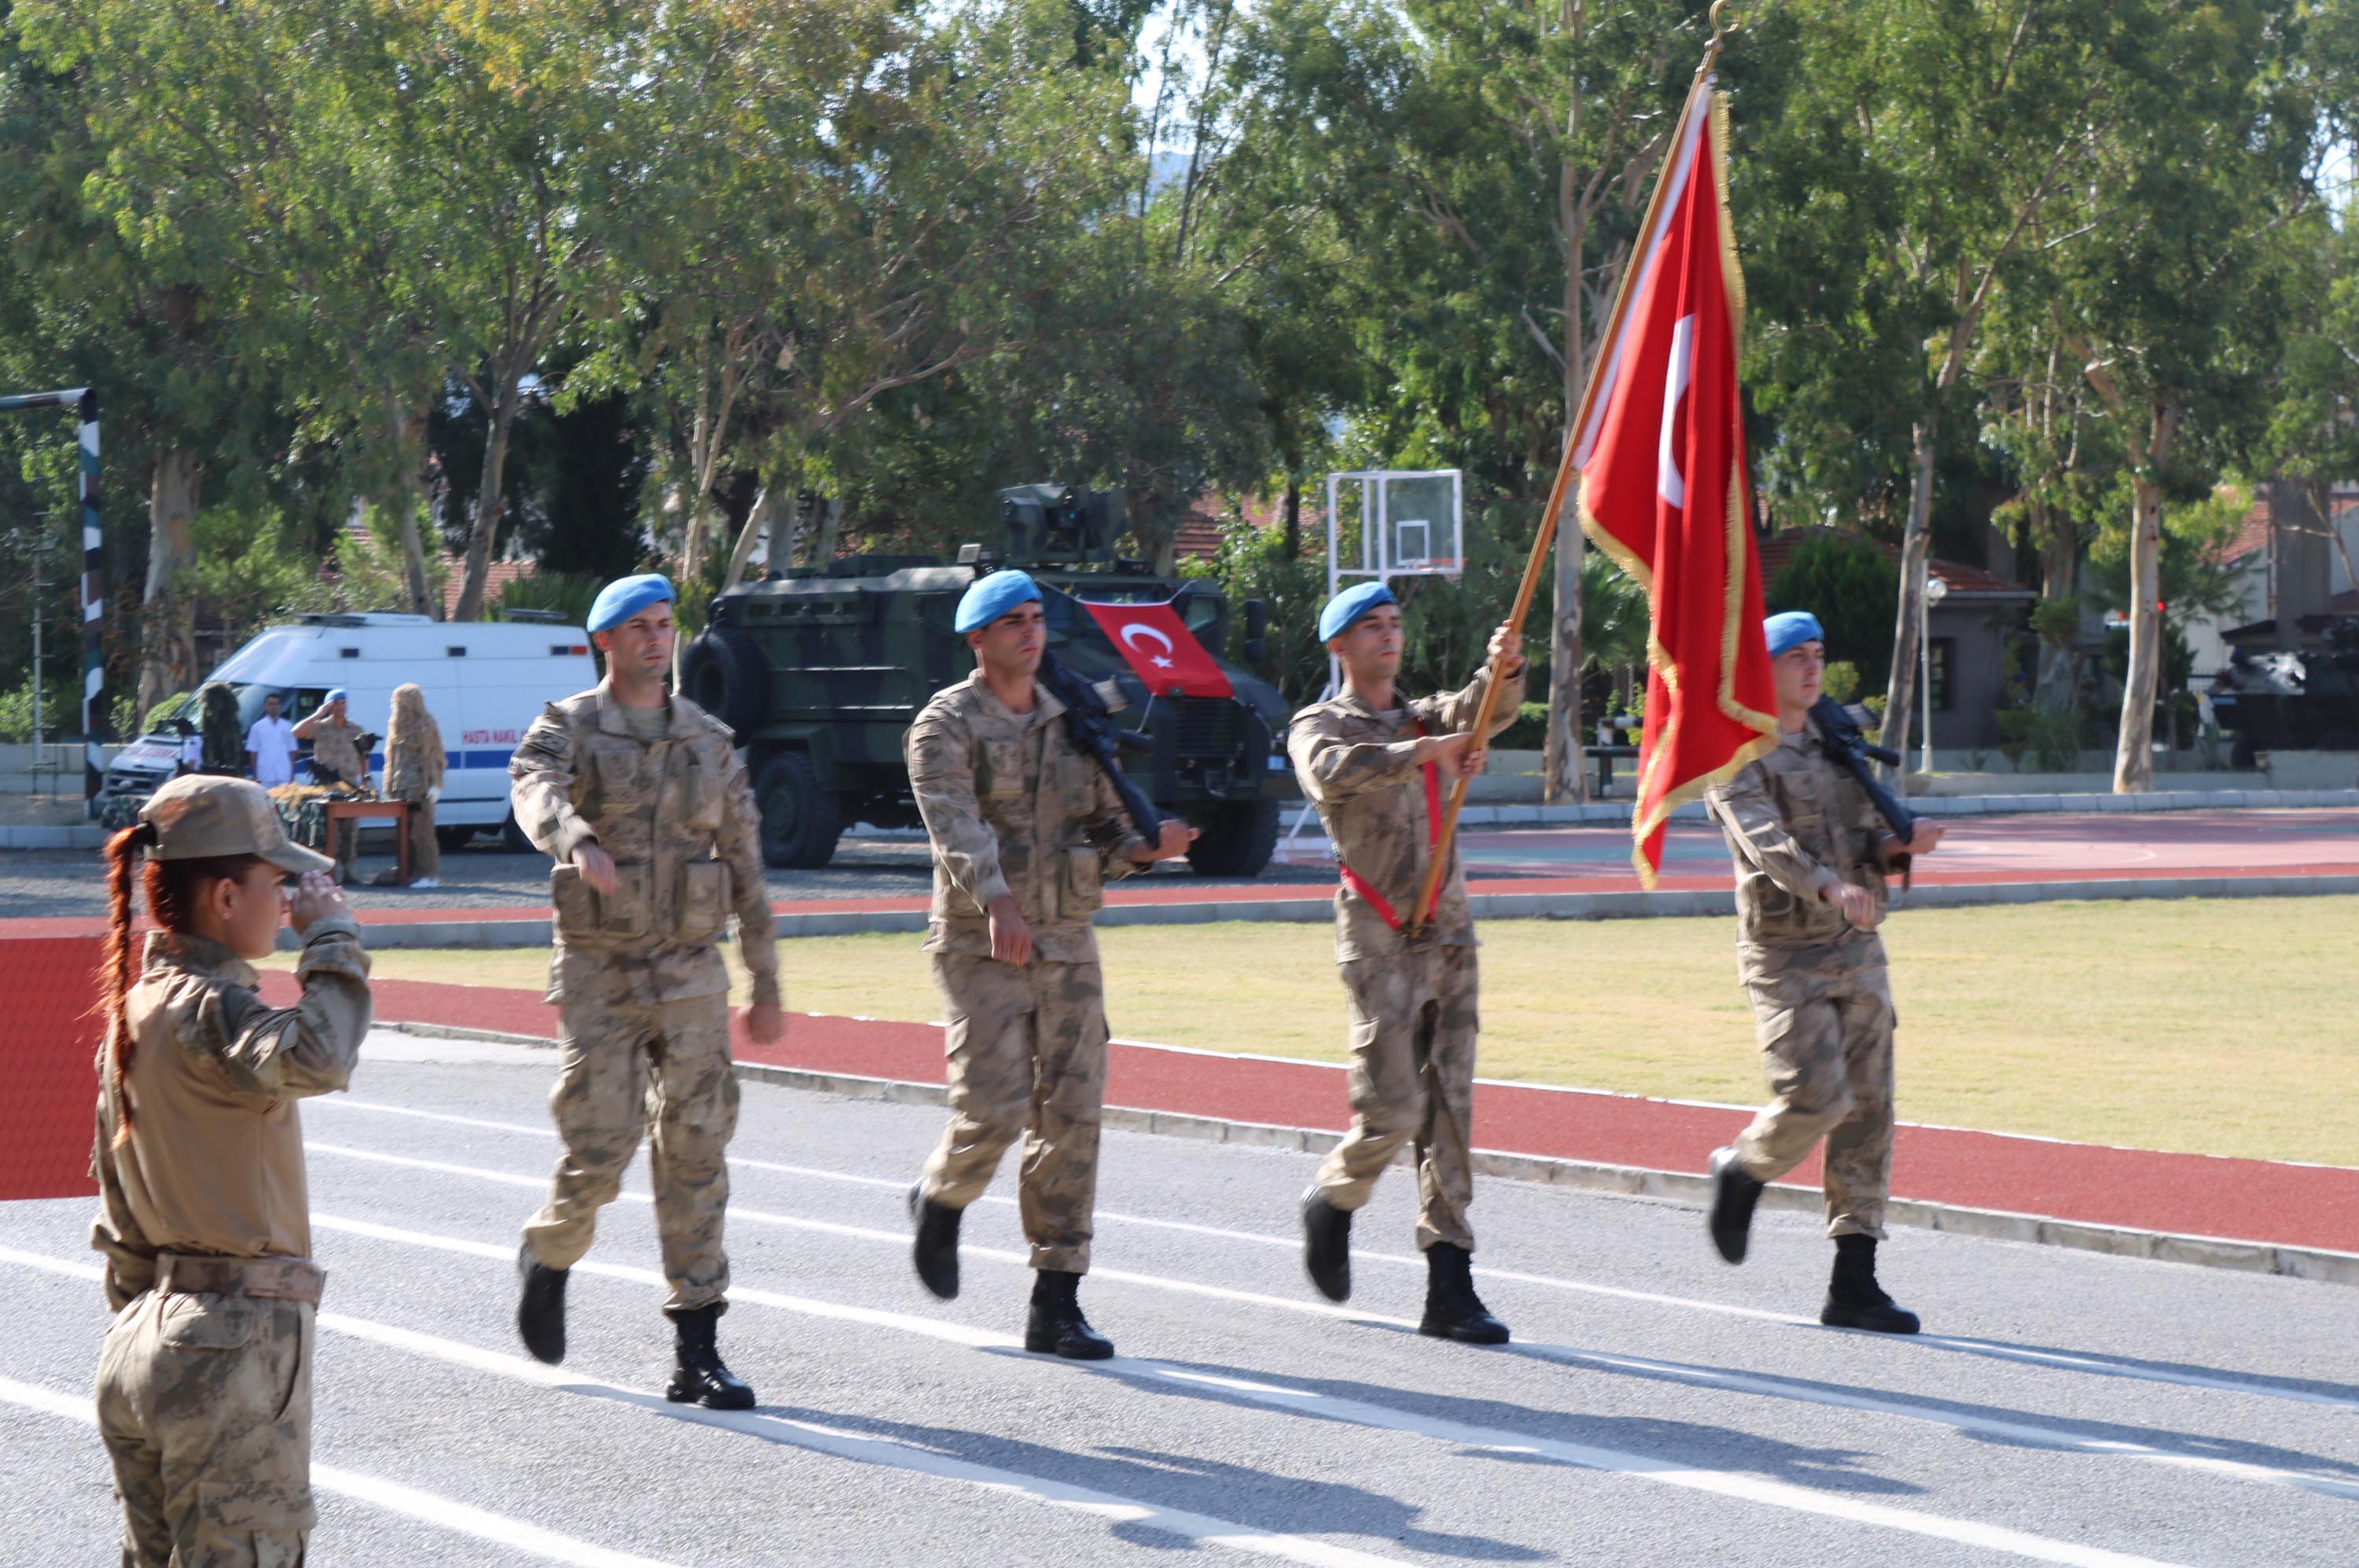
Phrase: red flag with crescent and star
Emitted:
{"points": [[1160, 650], [1660, 446]]}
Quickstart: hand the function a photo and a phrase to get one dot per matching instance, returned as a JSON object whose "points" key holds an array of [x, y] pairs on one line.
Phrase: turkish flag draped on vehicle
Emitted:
{"points": [[1160, 650], [1660, 446]]}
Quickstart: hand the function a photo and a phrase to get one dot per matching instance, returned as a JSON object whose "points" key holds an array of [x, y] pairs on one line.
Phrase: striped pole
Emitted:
{"points": [[84, 401]]}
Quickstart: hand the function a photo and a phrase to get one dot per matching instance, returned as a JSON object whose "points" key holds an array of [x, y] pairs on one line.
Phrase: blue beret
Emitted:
{"points": [[1347, 607], [338, 695], [1792, 630], [626, 596], [992, 597]]}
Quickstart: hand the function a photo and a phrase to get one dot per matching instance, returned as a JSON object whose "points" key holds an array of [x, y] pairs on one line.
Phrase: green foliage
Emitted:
{"points": [[570, 593], [1840, 679], [1528, 733], [1853, 591]]}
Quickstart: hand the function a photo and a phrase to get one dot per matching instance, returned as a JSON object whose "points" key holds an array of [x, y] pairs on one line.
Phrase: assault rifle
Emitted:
{"points": [[1086, 720], [1845, 742]]}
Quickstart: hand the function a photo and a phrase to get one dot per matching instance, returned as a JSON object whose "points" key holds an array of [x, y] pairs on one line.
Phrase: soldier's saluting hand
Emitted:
{"points": [[1025, 830]]}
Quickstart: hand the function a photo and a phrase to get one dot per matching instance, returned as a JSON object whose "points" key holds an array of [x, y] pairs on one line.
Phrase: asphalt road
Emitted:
{"points": [[1657, 1406]]}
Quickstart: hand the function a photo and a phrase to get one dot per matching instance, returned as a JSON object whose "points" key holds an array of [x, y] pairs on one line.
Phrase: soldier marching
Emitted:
{"points": [[640, 799], [1025, 830], [1372, 762], [1811, 862]]}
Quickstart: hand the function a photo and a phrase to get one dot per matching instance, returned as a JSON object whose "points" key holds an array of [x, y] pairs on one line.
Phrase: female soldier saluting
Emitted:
{"points": [[204, 1386]]}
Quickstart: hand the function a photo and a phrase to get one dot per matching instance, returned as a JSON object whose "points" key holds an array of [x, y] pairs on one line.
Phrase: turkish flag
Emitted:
{"points": [[1162, 651], [1660, 446]]}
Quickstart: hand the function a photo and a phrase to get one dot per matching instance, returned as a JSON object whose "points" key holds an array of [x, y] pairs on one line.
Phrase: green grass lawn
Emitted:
{"points": [[2210, 1026]]}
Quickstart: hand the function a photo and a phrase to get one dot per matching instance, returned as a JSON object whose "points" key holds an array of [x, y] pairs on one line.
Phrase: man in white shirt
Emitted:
{"points": [[270, 747]]}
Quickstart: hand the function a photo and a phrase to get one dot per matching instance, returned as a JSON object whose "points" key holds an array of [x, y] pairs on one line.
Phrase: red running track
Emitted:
{"points": [[2087, 846], [2248, 1199]]}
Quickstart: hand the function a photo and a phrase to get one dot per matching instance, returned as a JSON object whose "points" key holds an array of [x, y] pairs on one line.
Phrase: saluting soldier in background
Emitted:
{"points": [[1373, 766], [1025, 828], [336, 747], [640, 799], [1812, 857]]}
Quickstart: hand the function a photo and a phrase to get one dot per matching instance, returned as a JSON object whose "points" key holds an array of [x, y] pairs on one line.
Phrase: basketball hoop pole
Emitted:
{"points": [[1541, 543]]}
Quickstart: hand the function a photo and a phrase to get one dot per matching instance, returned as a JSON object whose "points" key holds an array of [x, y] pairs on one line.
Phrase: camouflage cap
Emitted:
{"points": [[199, 816]]}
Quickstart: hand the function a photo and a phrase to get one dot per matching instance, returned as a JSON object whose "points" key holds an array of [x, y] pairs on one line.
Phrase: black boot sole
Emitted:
{"points": [[1493, 1332], [544, 1339], [938, 1274], [1330, 1275], [711, 1399], [1734, 1197], [1082, 1350], [1872, 1320]]}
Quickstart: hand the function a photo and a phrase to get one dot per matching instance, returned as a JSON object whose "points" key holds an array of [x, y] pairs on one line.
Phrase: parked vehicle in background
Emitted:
{"points": [[484, 682]]}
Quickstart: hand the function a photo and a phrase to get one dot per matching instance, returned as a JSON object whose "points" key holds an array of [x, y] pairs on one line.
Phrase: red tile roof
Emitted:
{"points": [[2252, 535], [499, 575], [1777, 550]]}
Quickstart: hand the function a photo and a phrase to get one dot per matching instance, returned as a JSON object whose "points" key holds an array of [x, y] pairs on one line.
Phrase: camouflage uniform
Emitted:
{"points": [[1822, 1001], [413, 766], [204, 1384], [643, 1021], [1411, 1002], [336, 746], [1014, 809]]}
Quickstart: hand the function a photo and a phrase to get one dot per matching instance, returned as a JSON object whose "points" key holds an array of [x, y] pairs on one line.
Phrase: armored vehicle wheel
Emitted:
{"points": [[1238, 842], [723, 673], [453, 838], [800, 822]]}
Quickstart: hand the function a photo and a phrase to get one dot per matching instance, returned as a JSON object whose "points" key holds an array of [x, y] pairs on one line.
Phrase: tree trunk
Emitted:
{"points": [[487, 502], [406, 435], [757, 525], [1561, 776], [1899, 693], [2133, 754], [2056, 687], [831, 532], [168, 641], [1293, 518]]}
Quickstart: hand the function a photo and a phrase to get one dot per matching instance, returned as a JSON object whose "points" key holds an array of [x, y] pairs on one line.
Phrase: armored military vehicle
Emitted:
{"points": [[2307, 700], [821, 670]]}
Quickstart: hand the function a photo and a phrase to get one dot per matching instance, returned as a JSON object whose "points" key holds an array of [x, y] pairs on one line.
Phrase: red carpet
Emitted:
{"points": [[2250, 1200]]}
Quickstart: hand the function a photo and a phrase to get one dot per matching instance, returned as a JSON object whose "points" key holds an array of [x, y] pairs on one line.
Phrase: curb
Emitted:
{"points": [[1596, 1176], [1953, 806], [1318, 908]]}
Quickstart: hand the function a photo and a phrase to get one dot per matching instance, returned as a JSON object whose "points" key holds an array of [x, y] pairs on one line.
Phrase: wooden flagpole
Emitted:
{"points": [[1543, 540]]}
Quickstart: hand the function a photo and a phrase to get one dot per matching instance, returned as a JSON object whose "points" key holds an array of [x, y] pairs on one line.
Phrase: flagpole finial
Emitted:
{"points": [[1720, 30]]}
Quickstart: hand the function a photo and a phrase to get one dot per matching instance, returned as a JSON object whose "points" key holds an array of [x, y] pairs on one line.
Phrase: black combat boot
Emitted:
{"points": [[1327, 1246], [540, 1313], [936, 1250], [1733, 1195], [1453, 1310], [1853, 1298], [698, 1378], [1055, 1326]]}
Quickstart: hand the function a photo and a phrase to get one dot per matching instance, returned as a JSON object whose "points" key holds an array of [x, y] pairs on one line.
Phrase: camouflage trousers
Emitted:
{"points": [[343, 842], [1826, 1049], [204, 1402], [1028, 1058], [1413, 1022], [656, 1069]]}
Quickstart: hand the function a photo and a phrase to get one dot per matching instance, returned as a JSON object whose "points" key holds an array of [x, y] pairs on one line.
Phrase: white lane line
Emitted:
{"points": [[1768, 1386], [1997, 1350], [442, 1512], [855, 1446], [1310, 1402]]}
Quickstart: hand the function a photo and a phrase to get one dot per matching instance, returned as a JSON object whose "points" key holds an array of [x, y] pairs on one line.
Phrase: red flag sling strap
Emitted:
{"points": [[1361, 885]]}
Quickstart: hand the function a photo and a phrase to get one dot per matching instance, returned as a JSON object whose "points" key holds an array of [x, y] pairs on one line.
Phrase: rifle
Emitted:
{"points": [[1086, 721], [1844, 742]]}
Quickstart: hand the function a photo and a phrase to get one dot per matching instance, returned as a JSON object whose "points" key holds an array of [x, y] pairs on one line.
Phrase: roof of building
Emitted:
{"points": [[499, 575], [1957, 577]]}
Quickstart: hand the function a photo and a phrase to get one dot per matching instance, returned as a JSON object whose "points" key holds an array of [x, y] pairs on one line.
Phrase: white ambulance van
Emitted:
{"points": [[484, 683]]}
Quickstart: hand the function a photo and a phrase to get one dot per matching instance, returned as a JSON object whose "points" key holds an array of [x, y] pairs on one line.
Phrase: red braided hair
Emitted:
{"points": [[173, 888]]}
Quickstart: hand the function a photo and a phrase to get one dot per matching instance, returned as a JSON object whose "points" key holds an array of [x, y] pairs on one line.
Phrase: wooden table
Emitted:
{"points": [[357, 812]]}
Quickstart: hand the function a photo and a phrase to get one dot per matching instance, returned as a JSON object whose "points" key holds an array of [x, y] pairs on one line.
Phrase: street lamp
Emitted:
{"points": [[1935, 590]]}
